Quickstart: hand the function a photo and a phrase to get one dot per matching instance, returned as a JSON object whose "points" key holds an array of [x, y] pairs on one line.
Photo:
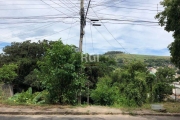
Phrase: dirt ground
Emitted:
{"points": [[70, 109]]}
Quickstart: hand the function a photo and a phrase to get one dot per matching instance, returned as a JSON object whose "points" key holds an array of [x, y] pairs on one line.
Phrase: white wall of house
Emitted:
{"points": [[176, 91]]}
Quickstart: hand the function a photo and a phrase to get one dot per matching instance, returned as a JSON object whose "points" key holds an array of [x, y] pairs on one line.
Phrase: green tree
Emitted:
{"points": [[25, 55], [150, 81], [165, 74], [125, 86], [132, 83], [60, 73], [169, 18], [105, 93], [7, 73], [162, 88], [94, 70]]}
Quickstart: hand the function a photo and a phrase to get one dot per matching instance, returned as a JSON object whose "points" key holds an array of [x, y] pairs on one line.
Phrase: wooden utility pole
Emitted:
{"points": [[82, 24]]}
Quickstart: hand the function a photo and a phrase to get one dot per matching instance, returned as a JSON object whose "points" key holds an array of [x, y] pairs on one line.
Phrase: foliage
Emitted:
{"points": [[125, 86], [157, 62], [132, 83], [162, 88], [174, 48], [165, 75], [150, 81], [95, 70], [7, 73], [169, 18], [32, 80], [60, 73], [30, 98], [105, 93], [25, 55]]}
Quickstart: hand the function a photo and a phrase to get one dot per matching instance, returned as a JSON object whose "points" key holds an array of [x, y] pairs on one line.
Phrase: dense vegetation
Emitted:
{"points": [[51, 72]]}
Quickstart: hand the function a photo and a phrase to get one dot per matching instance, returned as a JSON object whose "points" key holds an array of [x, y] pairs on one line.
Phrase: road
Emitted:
{"points": [[85, 117]]}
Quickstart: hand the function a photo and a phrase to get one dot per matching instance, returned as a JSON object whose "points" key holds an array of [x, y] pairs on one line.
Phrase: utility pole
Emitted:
{"points": [[82, 24]]}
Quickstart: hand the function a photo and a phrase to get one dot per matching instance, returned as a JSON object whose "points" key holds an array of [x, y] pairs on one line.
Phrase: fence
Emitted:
{"points": [[6, 90]]}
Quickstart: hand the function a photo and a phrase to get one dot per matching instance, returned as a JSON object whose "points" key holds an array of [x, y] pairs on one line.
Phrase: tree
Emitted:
{"points": [[165, 74], [105, 93], [60, 73], [7, 73], [94, 70], [133, 83], [174, 48], [162, 88], [25, 55], [170, 19], [125, 86]]}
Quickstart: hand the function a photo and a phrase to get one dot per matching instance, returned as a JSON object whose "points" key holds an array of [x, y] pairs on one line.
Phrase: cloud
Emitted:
{"points": [[131, 37]]}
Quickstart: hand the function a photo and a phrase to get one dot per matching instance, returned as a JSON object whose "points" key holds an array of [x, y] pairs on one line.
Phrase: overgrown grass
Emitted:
{"points": [[171, 107]]}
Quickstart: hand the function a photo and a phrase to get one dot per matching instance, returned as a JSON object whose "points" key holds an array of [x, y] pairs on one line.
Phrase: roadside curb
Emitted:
{"points": [[89, 113], [152, 114]]}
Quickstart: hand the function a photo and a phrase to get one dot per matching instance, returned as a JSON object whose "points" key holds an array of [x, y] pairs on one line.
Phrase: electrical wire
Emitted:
{"points": [[69, 31], [111, 34], [124, 7], [54, 7], [92, 38]]}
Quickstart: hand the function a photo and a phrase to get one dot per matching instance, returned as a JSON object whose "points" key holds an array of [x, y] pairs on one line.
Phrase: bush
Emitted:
{"points": [[30, 98], [105, 93]]}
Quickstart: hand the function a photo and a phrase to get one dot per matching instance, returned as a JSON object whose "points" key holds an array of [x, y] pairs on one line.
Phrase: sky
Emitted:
{"points": [[126, 25]]}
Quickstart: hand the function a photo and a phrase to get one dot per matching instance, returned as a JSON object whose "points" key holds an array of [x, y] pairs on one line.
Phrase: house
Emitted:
{"points": [[175, 91], [152, 70], [177, 75]]}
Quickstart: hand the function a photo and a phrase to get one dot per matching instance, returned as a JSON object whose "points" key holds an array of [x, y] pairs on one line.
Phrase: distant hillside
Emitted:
{"points": [[150, 60]]}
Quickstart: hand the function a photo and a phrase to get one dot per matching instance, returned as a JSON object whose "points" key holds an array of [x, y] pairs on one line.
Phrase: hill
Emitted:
{"points": [[150, 60]]}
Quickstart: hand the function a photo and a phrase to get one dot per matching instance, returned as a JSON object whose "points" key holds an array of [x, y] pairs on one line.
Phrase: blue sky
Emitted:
{"points": [[110, 36]]}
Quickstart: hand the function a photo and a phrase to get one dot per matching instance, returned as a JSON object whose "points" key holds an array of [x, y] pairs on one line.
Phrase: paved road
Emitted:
{"points": [[86, 117]]}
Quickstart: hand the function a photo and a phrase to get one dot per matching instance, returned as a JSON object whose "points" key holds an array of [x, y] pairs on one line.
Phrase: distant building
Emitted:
{"points": [[152, 70], [175, 91], [177, 75]]}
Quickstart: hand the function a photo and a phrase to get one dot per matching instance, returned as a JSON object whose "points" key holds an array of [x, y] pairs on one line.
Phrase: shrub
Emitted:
{"points": [[105, 93], [30, 98]]}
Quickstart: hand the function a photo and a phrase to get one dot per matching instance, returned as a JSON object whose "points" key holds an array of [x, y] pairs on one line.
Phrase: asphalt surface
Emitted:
{"points": [[86, 117]]}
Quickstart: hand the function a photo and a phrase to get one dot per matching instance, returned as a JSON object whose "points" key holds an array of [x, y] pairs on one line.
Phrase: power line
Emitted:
{"points": [[141, 3], [87, 8], [54, 7], [92, 38], [111, 34], [69, 31], [126, 20], [27, 22], [64, 4], [59, 31], [145, 25], [102, 36], [110, 15], [125, 8], [44, 26], [73, 4], [36, 17]]}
